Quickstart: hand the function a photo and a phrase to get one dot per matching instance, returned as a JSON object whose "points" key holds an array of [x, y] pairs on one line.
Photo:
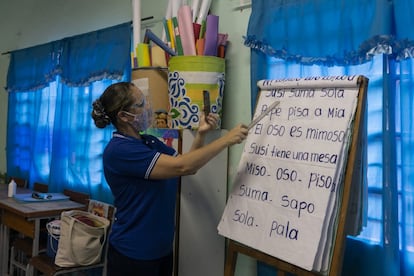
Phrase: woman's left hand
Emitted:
{"points": [[208, 123]]}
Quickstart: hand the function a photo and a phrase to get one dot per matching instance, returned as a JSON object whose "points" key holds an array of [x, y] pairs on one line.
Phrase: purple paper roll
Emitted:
{"points": [[211, 37]]}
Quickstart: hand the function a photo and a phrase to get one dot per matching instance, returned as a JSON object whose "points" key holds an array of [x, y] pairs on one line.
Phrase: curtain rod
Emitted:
{"points": [[142, 19]]}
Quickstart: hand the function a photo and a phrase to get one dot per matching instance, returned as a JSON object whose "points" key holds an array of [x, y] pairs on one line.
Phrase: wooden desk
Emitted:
{"points": [[25, 218]]}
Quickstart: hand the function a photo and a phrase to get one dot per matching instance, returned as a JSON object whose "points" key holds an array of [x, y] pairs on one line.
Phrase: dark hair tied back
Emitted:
{"points": [[99, 115]]}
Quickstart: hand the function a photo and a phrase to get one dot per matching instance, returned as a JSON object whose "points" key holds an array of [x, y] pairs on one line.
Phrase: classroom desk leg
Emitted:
{"points": [[35, 247], [1, 248], [4, 249], [36, 238]]}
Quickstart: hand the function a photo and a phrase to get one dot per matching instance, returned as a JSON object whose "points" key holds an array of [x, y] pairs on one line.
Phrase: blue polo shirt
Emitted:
{"points": [[144, 224]]}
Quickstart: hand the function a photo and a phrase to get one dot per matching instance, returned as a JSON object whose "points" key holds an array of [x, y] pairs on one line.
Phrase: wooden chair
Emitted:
{"points": [[20, 182], [46, 265], [21, 248], [77, 196], [40, 187]]}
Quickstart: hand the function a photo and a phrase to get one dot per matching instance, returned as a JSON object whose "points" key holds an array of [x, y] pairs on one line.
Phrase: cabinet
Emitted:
{"points": [[201, 250]]}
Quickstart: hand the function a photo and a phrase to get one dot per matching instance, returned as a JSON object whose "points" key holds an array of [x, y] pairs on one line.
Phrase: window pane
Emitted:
{"points": [[374, 72]]}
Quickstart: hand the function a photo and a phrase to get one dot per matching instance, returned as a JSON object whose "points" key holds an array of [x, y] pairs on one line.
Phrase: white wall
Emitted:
{"points": [[25, 23]]}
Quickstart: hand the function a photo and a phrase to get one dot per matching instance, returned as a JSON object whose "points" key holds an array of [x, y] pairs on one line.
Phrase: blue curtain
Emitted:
{"points": [[299, 38], [51, 137]]}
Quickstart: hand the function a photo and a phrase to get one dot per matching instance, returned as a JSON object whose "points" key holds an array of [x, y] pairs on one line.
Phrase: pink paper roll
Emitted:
{"points": [[185, 25]]}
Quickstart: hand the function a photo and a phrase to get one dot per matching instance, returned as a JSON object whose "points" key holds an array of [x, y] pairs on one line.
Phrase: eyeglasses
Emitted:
{"points": [[139, 105], [135, 106]]}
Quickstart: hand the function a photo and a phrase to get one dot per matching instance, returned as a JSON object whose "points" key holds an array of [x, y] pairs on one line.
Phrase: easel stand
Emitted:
{"points": [[335, 268], [234, 248]]}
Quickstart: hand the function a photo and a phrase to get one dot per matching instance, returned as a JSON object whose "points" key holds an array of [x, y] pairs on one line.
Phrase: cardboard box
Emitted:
{"points": [[153, 82]]}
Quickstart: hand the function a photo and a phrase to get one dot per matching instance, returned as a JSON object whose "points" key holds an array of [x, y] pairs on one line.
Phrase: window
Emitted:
{"points": [[51, 137]]}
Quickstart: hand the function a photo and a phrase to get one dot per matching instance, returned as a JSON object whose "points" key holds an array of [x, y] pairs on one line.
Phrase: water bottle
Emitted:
{"points": [[12, 188]]}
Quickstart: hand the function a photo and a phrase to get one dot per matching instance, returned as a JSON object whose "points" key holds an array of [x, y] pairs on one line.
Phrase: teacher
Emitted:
{"points": [[142, 173]]}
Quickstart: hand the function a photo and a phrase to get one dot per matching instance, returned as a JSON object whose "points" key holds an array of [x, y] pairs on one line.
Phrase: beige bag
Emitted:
{"points": [[82, 237]]}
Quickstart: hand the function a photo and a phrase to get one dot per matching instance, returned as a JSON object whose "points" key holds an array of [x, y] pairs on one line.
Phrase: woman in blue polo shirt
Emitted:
{"points": [[142, 173]]}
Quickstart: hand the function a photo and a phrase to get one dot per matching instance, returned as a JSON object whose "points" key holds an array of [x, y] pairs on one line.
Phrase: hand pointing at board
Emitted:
{"points": [[237, 134]]}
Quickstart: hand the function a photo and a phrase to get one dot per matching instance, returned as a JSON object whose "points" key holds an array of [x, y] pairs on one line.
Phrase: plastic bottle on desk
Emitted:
{"points": [[12, 188]]}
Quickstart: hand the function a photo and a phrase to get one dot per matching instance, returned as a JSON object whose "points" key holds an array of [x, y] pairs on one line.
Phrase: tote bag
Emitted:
{"points": [[82, 237]]}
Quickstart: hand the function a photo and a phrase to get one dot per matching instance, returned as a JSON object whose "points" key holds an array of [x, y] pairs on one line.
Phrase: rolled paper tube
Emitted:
{"points": [[178, 44], [210, 48], [171, 32], [174, 8], [204, 8], [194, 9], [221, 52], [133, 60], [185, 26], [150, 36], [166, 32], [136, 21], [158, 56], [143, 55], [168, 14], [146, 38], [197, 29], [202, 32], [222, 39], [222, 43], [200, 46]]}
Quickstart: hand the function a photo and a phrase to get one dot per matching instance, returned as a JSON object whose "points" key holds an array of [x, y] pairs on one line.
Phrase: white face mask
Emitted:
{"points": [[141, 121]]}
